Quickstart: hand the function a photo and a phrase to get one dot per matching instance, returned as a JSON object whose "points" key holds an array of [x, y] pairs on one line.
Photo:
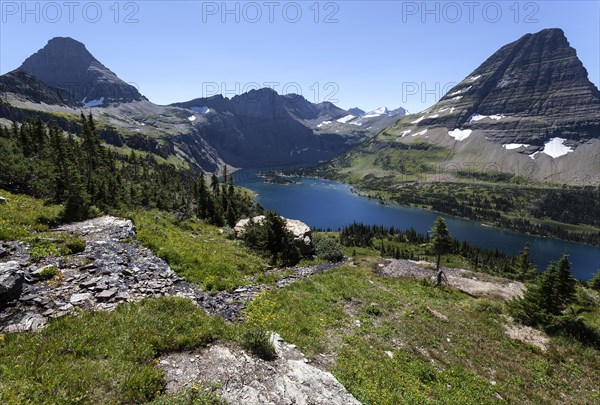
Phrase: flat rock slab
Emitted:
{"points": [[477, 284], [244, 379]]}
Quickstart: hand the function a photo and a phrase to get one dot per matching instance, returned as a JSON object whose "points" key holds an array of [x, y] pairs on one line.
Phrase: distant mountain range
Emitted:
{"points": [[257, 128], [529, 110]]}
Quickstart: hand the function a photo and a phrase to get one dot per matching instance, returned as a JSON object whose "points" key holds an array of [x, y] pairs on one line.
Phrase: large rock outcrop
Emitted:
{"points": [[301, 232], [289, 379], [11, 282], [112, 269]]}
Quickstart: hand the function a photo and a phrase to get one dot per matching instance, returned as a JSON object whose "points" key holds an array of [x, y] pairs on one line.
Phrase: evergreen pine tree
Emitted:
{"points": [[565, 283], [524, 268], [440, 240]]}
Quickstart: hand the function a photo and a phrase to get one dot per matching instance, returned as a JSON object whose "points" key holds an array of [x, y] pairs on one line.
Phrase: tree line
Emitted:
{"points": [[88, 177], [490, 261]]}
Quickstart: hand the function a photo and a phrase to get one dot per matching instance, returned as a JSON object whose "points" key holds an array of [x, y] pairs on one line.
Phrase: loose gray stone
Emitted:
{"points": [[11, 281], [80, 298], [106, 295]]}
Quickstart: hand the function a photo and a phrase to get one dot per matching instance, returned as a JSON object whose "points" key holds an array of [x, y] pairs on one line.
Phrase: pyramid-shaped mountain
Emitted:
{"points": [[66, 63], [528, 92]]}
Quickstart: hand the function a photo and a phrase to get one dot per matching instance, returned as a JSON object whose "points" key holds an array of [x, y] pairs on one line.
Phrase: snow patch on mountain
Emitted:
{"points": [[459, 91], [556, 147], [460, 134], [345, 119], [478, 117], [376, 113], [200, 110], [510, 146], [93, 103]]}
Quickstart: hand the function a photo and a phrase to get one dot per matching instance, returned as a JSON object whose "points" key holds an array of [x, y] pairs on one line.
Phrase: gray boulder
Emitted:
{"points": [[11, 281], [301, 232]]}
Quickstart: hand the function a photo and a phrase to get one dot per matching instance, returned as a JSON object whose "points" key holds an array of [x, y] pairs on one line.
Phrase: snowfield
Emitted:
{"points": [[510, 146], [345, 119], [478, 117], [93, 103], [555, 147], [460, 134]]}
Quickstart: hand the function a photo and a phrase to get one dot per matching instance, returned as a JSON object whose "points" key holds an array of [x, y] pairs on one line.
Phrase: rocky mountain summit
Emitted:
{"points": [[529, 109], [263, 127], [66, 63], [529, 91]]}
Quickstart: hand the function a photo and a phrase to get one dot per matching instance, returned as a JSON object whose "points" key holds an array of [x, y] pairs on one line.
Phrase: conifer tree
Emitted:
{"points": [[524, 268], [441, 241]]}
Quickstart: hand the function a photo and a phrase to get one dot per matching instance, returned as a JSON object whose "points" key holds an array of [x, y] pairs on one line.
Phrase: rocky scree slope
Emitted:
{"points": [[113, 268]]}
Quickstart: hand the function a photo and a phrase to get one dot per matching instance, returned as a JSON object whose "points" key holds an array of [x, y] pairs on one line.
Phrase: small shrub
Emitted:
{"points": [[40, 248], [327, 248], [75, 244], [258, 342], [48, 272], [488, 307], [373, 310], [229, 233]]}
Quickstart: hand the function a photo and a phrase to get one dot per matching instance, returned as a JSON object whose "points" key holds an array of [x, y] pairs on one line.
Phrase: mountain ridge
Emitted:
{"points": [[248, 130]]}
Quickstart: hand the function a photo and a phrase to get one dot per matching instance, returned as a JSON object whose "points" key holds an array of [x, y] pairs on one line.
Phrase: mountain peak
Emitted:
{"points": [[65, 42], [66, 63], [531, 90]]}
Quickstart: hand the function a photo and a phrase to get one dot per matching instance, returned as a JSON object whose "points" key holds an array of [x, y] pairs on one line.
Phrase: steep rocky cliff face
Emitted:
{"points": [[22, 85], [529, 110], [66, 63], [262, 127], [528, 92]]}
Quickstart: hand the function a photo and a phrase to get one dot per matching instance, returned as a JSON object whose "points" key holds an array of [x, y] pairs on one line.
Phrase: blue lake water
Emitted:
{"points": [[329, 204]]}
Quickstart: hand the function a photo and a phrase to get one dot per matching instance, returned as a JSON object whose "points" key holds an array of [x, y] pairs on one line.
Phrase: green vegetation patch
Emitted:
{"points": [[22, 215], [196, 251], [381, 339], [100, 357]]}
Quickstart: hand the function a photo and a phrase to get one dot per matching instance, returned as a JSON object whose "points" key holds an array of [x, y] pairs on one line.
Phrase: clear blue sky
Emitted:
{"points": [[370, 53]]}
